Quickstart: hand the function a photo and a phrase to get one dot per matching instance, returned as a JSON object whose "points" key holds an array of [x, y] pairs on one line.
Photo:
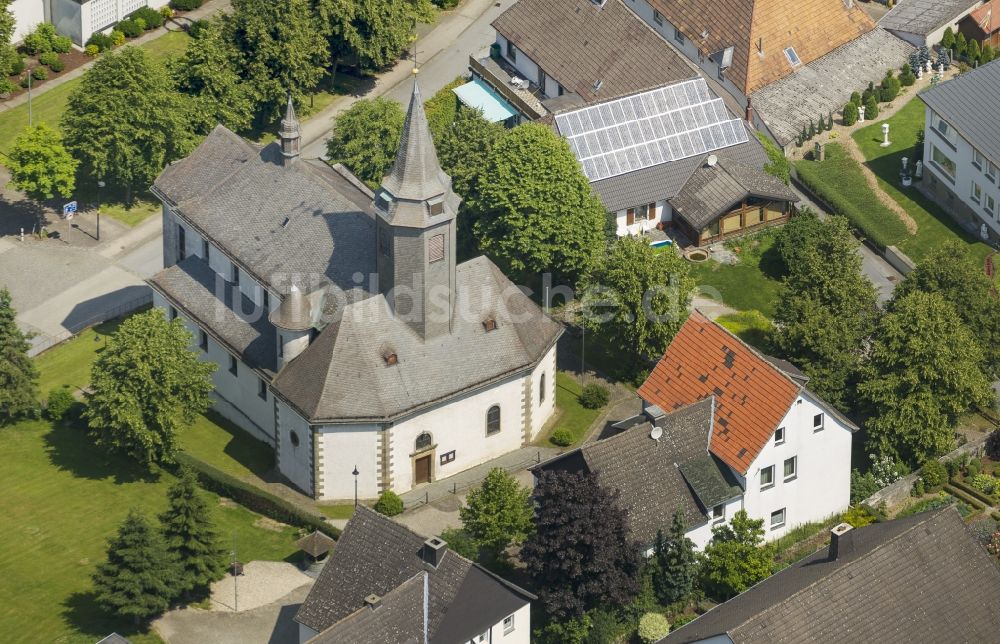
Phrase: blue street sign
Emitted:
{"points": [[69, 209]]}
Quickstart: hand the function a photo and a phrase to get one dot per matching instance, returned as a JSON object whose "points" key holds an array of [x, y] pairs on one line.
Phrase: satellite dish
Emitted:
{"points": [[656, 433], [711, 160]]}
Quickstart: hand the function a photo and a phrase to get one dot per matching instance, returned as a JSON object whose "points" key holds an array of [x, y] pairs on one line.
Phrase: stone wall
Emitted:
{"points": [[898, 260]]}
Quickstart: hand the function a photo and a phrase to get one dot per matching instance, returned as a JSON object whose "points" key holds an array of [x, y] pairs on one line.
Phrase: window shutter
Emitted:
{"points": [[630, 216], [435, 249]]}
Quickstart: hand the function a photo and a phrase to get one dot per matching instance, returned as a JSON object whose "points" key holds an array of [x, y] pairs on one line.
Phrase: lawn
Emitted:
{"points": [[572, 415], [68, 365], [750, 326], [338, 511], [934, 225], [751, 284], [218, 442]]}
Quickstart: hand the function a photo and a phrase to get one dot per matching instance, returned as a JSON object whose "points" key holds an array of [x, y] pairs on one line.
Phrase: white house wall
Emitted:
{"points": [[523, 64], [822, 486], [27, 15], [521, 633], [663, 213]]}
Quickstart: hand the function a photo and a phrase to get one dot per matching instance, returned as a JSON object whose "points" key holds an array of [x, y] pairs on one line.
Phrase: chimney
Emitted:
{"points": [[433, 551], [749, 114], [841, 541], [373, 601]]}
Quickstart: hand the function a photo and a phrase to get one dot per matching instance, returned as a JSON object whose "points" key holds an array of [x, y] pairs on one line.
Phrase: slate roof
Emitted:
{"points": [[968, 102], [713, 191], [238, 195], [221, 309], [665, 180], [343, 374], [399, 619], [923, 17], [294, 312], [760, 30], [751, 395], [825, 84], [577, 43], [924, 578], [377, 556], [987, 17], [650, 475]]}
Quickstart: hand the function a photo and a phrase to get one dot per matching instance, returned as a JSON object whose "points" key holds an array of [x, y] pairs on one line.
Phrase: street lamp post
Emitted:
{"points": [[100, 184], [355, 473]]}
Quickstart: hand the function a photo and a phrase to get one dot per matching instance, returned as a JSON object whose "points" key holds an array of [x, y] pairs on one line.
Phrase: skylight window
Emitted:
{"points": [[792, 57]]}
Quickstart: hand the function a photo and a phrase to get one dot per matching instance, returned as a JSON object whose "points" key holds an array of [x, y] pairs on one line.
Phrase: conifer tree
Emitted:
{"points": [[191, 537], [675, 563], [18, 376], [139, 578]]}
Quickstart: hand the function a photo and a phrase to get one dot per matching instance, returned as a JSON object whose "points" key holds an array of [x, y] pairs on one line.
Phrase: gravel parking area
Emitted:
{"points": [[261, 583]]}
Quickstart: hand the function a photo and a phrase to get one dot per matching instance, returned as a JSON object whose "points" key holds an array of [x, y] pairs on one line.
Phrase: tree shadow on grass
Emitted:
{"points": [[72, 449], [82, 613]]}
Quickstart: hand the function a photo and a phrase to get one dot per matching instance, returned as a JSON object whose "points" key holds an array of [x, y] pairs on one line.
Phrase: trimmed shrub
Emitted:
{"points": [[39, 74], [48, 58], [962, 495], [993, 445], [389, 504], [59, 403], [965, 488], [918, 488], [972, 468], [151, 18], [934, 473], [858, 516], [62, 44], [254, 498], [166, 13], [17, 66], [850, 114], [984, 483], [103, 42], [562, 437], [856, 99], [186, 5], [871, 108], [40, 40], [92, 50], [57, 65], [594, 396], [653, 627], [906, 75], [117, 38], [131, 28], [6, 87], [25, 80]]}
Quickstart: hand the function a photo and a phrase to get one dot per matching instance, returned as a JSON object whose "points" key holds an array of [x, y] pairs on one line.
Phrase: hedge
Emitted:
{"points": [[253, 498], [995, 515], [979, 494], [839, 181], [962, 496]]}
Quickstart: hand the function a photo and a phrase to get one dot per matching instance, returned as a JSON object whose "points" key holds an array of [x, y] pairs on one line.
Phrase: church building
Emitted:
{"points": [[345, 333]]}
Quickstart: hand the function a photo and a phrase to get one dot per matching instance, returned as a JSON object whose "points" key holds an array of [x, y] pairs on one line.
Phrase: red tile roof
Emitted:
{"points": [[751, 394], [987, 17]]}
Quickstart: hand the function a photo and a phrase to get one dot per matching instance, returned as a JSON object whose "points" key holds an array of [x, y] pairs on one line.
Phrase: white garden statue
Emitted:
{"points": [[919, 172], [861, 114], [885, 136]]}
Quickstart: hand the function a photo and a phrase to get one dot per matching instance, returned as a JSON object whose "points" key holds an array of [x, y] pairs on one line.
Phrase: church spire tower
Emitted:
{"points": [[416, 210], [290, 135]]}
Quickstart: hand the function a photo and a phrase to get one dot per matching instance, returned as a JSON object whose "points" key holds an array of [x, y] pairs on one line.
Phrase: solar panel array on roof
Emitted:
{"points": [[647, 129]]}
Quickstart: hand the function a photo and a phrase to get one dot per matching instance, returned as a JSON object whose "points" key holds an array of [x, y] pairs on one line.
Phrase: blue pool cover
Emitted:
{"points": [[481, 96]]}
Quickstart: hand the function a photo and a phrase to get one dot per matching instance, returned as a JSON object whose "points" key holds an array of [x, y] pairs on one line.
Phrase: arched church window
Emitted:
{"points": [[493, 420], [423, 441]]}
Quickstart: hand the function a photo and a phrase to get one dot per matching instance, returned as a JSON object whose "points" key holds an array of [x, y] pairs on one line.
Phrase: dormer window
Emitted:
{"points": [[390, 359], [436, 206], [490, 324], [382, 200]]}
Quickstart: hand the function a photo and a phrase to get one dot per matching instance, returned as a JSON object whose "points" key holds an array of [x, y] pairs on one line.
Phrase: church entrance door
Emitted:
{"points": [[422, 468]]}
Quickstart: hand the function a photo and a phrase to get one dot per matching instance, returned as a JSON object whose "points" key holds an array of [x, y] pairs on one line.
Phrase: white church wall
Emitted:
{"points": [[542, 409], [343, 448], [294, 460]]}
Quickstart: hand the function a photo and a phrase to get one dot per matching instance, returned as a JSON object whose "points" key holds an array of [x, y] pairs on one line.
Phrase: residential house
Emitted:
{"points": [[983, 24], [346, 334], [676, 158], [788, 451], [922, 23], [785, 62], [78, 19], [962, 148], [923, 578], [551, 55], [384, 584]]}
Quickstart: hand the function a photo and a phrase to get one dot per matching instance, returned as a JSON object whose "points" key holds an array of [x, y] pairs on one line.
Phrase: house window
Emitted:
{"points": [[818, 421], [281, 346], [977, 159], [508, 624], [793, 58], [511, 51], [541, 79], [977, 192], [991, 171], [719, 513], [294, 438], [481, 638], [493, 420], [943, 161], [203, 341], [435, 249], [767, 477], [233, 369], [657, 18], [204, 249], [261, 389], [630, 216], [678, 35], [642, 212], [236, 275], [447, 457], [181, 243], [777, 518], [791, 468], [779, 436], [423, 441], [990, 205], [945, 130], [172, 312], [541, 389]]}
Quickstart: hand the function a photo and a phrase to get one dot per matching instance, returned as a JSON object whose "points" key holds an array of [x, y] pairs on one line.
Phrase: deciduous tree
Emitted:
{"points": [[498, 513], [365, 138], [582, 554], [637, 297], [369, 33], [675, 563], [18, 376], [734, 559], [190, 536], [125, 121], [7, 53], [924, 371], [146, 386], [40, 165], [537, 213], [139, 578]]}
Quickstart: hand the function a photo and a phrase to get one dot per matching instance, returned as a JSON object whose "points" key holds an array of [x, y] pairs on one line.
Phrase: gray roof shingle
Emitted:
{"points": [[343, 374], [925, 16], [924, 578], [969, 103], [578, 43], [239, 196], [376, 556], [399, 619]]}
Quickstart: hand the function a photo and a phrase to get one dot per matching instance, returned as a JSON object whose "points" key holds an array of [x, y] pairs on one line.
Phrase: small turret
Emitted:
{"points": [[293, 324], [290, 135]]}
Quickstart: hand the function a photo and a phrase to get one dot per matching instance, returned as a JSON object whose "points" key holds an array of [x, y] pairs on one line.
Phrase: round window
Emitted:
{"points": [[295, 439]]}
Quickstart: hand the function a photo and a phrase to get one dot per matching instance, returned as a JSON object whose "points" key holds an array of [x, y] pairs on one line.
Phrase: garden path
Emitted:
{"points": [[852, 149]]}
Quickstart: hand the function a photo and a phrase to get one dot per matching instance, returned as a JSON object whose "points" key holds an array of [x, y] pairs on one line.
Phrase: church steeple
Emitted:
{"points": [[289, 134], [416, 210]]}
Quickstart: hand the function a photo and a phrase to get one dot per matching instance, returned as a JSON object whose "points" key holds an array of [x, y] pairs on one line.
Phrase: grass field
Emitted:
{"points": [[68, 365], [751, 327], [223, 445], [752, 284], [572, 415], [934, 225]]}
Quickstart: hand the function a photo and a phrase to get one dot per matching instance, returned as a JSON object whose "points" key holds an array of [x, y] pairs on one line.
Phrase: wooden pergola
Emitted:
{"points": [[317, 545]]}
